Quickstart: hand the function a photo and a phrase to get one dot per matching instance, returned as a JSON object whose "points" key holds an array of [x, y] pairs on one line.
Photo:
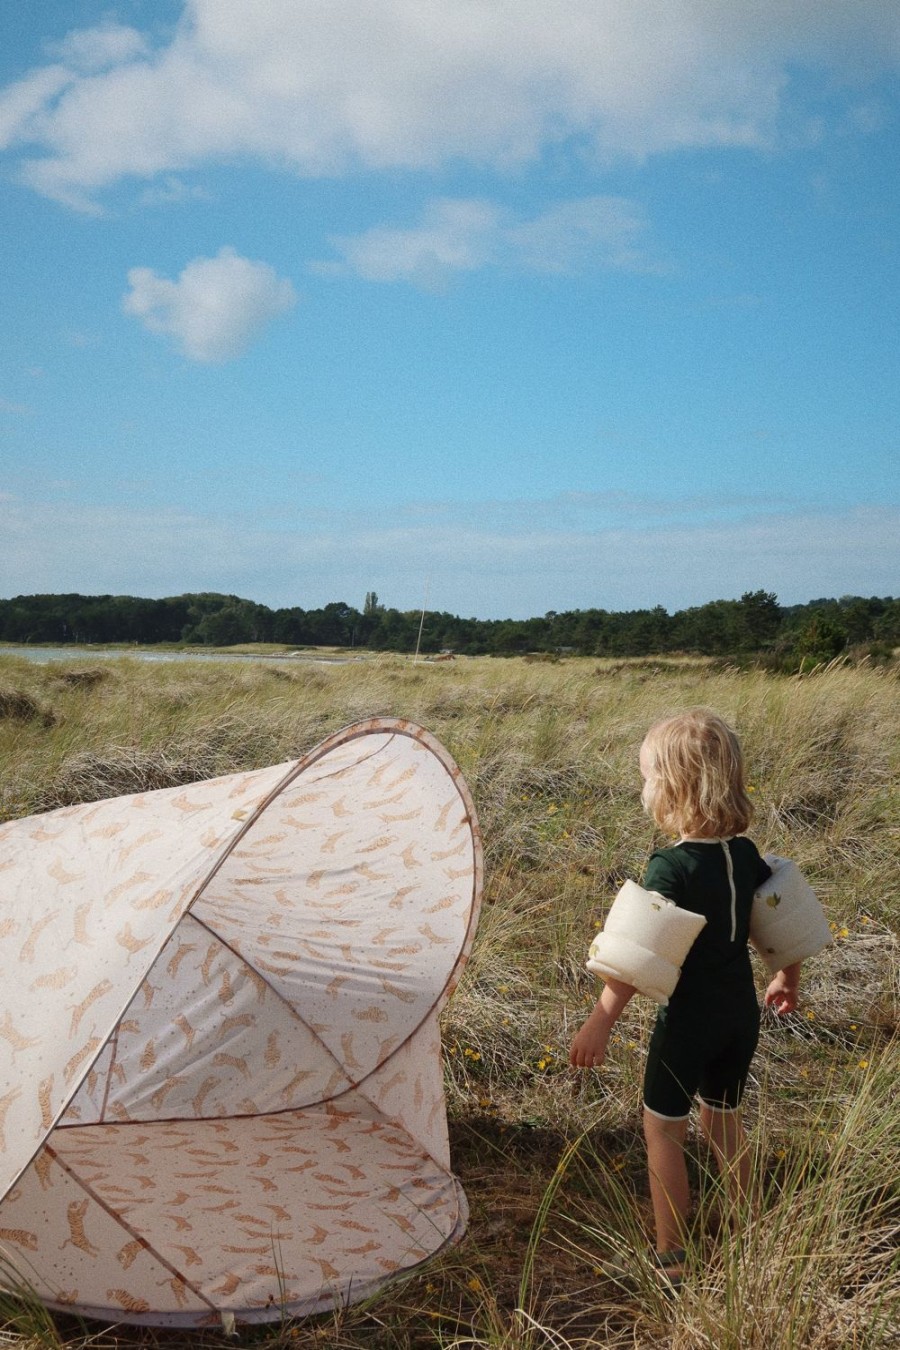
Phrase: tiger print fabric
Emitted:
{"points": [[221, 1081]]}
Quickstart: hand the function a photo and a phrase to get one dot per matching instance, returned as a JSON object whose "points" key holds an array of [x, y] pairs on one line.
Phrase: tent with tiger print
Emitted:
{"points": [[221, 1093]]}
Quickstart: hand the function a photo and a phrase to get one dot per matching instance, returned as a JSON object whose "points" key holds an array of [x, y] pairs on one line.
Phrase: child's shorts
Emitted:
{"points": [[701, 1049]]}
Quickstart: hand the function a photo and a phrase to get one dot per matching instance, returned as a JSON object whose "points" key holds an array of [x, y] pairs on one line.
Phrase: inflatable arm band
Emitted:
{"points": [[644, 941], [787, 922]]}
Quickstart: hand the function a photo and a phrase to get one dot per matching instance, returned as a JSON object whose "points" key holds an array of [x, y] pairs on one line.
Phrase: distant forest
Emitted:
{"points": [[755, 626]]}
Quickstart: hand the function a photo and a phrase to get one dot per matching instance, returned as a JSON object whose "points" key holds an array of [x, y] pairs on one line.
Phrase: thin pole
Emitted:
{"points": [[422, 621]]}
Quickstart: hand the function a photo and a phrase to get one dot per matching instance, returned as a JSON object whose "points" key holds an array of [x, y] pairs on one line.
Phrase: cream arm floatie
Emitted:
{"points": [[787, 922], [644, 941]]}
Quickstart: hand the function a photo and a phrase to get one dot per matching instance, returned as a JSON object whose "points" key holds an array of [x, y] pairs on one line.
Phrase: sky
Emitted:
{"points": [[492, 306]]}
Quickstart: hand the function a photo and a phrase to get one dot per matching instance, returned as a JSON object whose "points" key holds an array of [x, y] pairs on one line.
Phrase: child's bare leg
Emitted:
{"points": [[669, 1189], [724, 1131]]}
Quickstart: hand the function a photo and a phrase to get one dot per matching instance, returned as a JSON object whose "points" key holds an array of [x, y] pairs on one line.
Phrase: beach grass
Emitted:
{"points": [[552, 1160]]}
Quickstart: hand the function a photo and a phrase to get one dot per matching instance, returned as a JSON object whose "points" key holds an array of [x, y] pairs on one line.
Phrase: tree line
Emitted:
{"points": [[756, 625]]}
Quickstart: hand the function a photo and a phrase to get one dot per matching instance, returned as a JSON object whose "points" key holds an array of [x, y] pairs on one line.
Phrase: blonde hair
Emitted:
{"points": [[695, 780]]}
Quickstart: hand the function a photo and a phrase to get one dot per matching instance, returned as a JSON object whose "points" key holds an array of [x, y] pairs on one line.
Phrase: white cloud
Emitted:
{"points": [[93, 49], [216, 307], [23, 104], [477, 564], [462, 235], [603, 231], [385, 83], [455, 236]]}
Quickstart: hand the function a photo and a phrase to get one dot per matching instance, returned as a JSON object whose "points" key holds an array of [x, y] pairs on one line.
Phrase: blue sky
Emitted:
{"points": [[515, 304]]}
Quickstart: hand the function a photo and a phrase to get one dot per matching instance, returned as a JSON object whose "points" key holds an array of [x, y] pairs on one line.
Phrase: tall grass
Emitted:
{"points": [[552, 1161]]}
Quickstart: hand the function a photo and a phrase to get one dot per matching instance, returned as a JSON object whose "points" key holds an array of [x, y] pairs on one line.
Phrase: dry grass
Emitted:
{"points": [[552, 1162]]}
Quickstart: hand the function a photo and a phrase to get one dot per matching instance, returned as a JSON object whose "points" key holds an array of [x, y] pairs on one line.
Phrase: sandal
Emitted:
{"points": [[670, 1269], [667, 1269]]}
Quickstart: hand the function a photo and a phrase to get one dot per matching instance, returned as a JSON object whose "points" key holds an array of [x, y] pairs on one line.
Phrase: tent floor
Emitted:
{"points": [[175, 1223]]}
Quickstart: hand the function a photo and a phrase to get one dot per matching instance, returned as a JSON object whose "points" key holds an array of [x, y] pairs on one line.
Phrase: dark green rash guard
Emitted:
{"points": [[716, 878], [704, 1041]]}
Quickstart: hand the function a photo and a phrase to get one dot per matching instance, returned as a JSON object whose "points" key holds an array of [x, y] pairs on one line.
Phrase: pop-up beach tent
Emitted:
{"points": [[220, 1072]]}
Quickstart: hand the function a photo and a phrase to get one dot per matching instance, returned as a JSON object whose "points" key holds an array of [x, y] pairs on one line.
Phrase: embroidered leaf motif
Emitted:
{"points": [[773, 901]]}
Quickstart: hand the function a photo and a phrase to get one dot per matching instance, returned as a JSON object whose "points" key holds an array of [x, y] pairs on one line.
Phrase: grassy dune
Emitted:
{"points": [[552, 1161]]}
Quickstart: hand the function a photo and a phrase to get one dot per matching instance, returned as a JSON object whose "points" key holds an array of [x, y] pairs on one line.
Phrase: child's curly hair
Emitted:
{"points": [[695, 783]]}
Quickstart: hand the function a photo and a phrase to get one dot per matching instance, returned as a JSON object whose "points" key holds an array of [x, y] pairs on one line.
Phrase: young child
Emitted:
{"points": [[705, 1038]]}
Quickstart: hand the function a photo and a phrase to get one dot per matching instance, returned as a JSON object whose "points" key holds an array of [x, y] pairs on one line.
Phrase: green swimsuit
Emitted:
{"points": [[704, 1040]]}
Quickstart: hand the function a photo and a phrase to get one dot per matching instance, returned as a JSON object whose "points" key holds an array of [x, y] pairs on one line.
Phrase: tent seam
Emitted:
{"points": [[239, 956], [107, 1087], [123, 1223]]}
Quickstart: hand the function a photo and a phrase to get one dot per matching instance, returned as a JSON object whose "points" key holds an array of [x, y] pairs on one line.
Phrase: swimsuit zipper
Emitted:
{"points": [[688, 839], [730, 867]]}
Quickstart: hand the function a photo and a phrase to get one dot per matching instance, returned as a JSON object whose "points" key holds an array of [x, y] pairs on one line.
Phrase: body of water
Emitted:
{"points": [[45, 655]]}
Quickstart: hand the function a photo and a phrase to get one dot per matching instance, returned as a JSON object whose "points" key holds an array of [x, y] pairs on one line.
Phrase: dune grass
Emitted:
{"points": [[552, 1161]]}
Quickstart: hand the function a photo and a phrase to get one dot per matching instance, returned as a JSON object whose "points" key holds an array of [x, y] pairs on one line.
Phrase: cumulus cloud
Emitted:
{"points": [[382, 83], [216, 307], [462, 235]]}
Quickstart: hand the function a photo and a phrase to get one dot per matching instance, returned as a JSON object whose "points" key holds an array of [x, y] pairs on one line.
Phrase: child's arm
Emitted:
{"points": [[783, 993], [589, 1045]]}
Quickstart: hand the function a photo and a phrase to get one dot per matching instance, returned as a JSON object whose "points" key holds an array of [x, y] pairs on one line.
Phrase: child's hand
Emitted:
{"points": [[783, 993], [589, 1046]]}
